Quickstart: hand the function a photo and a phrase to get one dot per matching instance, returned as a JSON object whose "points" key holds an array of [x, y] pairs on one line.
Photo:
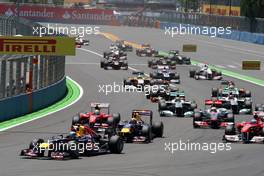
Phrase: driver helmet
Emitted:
{"points": [[255, 116], [136, 116], [177, 98], [72, 134], [231, 86], [231, 96], [133, 120], [253, 121], [80, 131], [213, 109], [96, 112]]}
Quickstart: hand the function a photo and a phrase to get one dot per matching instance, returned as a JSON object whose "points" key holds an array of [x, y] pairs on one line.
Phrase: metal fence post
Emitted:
{"points": [[18, 76], [3, 79]]}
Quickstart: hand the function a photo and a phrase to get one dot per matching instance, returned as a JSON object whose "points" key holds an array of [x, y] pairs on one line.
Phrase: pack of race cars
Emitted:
{"points": [[106, 132]]}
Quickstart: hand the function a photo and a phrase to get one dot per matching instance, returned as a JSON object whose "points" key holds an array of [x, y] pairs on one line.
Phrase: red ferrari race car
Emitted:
{"points": [[246, 132], [214, 117], [96, 118]]}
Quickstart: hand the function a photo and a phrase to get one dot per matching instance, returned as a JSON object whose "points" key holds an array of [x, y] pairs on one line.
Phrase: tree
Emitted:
{"points": [[252, 8]]}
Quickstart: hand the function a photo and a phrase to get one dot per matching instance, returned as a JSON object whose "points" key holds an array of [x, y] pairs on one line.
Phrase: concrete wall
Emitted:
{"points": [[16, 106]]}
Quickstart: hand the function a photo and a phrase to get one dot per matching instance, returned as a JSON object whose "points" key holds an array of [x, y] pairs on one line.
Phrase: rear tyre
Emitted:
{"points": [[157, 129], [192, 73]]}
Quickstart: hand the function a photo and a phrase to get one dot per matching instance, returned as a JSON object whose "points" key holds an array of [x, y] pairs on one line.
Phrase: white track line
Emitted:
{"points": [[232, 66], [52, 112]]}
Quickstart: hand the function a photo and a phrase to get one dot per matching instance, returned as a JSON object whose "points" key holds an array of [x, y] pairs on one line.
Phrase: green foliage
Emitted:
{"points": [[252, 8]]}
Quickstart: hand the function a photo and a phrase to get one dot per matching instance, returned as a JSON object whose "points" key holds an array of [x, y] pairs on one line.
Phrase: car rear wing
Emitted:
{"points": [[148, 113], [100, 105], [213, 102], [137, 72]]}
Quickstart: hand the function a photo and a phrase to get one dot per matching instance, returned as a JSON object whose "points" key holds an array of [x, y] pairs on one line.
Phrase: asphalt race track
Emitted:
{"points": [[141, 159]]}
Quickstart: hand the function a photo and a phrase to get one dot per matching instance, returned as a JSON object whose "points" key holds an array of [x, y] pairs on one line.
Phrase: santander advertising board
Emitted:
{"points": [[57, 14]]}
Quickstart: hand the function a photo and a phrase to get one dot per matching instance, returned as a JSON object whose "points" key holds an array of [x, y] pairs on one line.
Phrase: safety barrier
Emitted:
{"points": [[28, 82], [25, 103], [257, 38]]}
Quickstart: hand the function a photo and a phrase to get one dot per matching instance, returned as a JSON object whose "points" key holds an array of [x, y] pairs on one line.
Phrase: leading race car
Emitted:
{"points": [[82, 140], [246, 132], [137, 130], [205, 73], [97, 118], [79, 41], [213, 117], [146, 50], [166, 74], [138, 79]]}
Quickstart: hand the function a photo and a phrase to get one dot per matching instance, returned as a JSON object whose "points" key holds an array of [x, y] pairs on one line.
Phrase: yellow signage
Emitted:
{"points": [[251, 65], [221, 10], [28, 45], [189, 48]]}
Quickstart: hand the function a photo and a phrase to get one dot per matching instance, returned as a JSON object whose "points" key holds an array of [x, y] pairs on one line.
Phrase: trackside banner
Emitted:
{"points": [[56, 46], [60, 14]]}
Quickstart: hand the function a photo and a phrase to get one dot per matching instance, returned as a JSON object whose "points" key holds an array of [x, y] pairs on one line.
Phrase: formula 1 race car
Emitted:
{"points": [[167, 75], [213, 117], [138, 79], [146, 51], [177, 58], [96, 118], [115, 53], [156, 63], [114, 63], [242, 105], [121, 44], [82, 140], [174, 104], [137, 130], [228, 88], [166, 93], [80, 42], [246, 132], [205, 73], [157, 89]]}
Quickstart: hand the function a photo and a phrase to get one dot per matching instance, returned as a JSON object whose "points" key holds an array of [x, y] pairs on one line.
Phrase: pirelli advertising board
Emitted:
{"points": [[28, 45]]}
